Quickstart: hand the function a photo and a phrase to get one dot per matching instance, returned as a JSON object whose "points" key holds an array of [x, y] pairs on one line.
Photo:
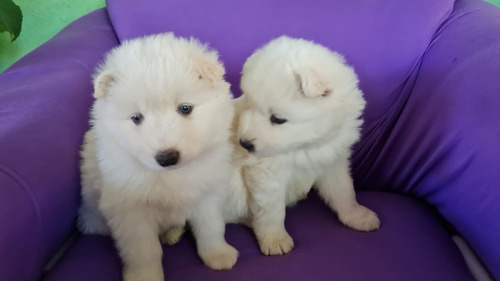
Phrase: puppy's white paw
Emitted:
{"points": [[360, 218], [172, 235], [275, 244], [223, 257], [143, 275]]}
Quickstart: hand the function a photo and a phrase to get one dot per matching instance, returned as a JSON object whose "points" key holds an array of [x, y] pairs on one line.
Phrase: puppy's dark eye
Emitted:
{"points": [[185, 109], [276, 120], [137, 118]]}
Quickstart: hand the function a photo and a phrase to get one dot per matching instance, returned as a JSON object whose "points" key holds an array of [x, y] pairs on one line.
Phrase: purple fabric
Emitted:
{"points": [[44, 103], [444, 146], [411, 245], [429, 70]]}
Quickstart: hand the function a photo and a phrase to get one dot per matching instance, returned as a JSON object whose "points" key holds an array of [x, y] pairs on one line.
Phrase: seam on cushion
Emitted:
{"points": [[385, 123], [109, 25], [28, 191], [56, 66], [390, 118], [447, 20], [60, 65], [413, 183], [414, 70], [26, 188], [452, 20], [112, 26]]}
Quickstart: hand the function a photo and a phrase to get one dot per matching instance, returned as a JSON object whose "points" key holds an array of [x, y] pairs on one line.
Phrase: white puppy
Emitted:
{"points": [[298, 118], [158, 153]]}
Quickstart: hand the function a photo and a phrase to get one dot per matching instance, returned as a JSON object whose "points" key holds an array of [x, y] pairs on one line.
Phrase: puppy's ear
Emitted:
{"points": [[102, 83], [211, 71], [313, 84]]}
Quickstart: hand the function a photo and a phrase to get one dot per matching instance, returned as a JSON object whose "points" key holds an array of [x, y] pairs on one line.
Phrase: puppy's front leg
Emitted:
{"points": [[173, 235], [336, 188], [268, 207], [136, 237], [208, 226]]}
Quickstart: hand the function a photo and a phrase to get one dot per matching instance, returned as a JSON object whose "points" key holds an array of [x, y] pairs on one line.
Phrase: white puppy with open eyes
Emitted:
{"points": [[158, 153], [297, 120]]}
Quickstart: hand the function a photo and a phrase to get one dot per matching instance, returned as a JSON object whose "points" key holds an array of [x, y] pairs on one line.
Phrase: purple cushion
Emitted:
{"points": [[431, 81], [44, 104], [445, 145], [411, 245]]}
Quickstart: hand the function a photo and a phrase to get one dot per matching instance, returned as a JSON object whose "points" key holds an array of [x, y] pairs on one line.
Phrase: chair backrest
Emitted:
{"points": [[383, 40]]}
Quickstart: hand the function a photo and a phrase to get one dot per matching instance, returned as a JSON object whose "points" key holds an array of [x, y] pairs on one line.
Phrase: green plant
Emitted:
{"points": [[11, 18]]}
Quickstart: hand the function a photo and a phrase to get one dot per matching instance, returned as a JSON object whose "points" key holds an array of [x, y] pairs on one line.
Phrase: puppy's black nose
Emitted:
{"points": [[248, 145], [168, 157]]}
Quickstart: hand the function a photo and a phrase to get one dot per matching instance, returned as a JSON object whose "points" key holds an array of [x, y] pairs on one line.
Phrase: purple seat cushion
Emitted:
{"points": [[411, 245]]}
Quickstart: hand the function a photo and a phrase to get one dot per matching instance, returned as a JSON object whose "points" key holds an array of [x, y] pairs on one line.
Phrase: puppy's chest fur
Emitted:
{"points": [[306, 166], [169, 196]]}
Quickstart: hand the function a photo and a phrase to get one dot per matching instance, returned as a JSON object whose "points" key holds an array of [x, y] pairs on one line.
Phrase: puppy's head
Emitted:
{"points": [[163, 100], [297, 94]]}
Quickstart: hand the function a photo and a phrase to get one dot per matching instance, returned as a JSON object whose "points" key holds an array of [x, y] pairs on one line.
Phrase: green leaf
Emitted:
{"points": [[11, 18]]}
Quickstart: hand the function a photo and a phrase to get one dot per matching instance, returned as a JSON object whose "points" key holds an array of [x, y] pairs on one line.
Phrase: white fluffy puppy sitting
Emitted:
{"points": [[298, 118], [158, 153]]}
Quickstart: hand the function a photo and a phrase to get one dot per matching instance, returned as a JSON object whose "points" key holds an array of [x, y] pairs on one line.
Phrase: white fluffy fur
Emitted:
{"points": [[125, 191], [318, 94]]}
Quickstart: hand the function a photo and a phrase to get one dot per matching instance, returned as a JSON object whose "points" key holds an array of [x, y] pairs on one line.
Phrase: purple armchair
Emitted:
{"points": [[428, 162]]}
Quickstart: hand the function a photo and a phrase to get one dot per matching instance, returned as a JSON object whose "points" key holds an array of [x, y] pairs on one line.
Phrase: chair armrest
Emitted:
{"points": [[445, 146], [44, 105]]}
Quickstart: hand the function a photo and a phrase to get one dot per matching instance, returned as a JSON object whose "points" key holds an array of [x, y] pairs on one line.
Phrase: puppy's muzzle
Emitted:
{"points": [[168, 157], [248, 145]]}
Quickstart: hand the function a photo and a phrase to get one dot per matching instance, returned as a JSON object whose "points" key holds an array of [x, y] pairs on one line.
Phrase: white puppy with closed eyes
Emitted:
{"points": [[158, 153], [298, 118]]}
